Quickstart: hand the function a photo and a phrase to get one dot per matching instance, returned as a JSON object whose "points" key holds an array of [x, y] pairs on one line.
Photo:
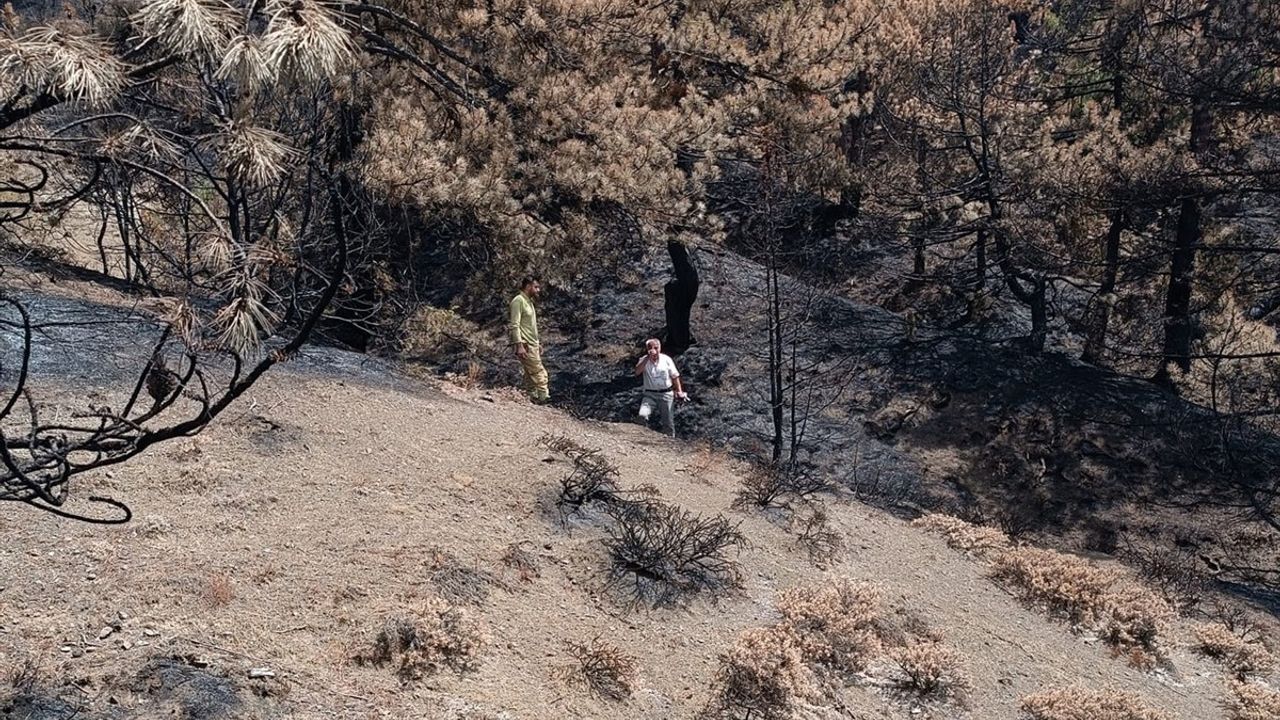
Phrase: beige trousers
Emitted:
{"points": [[535, 375]]}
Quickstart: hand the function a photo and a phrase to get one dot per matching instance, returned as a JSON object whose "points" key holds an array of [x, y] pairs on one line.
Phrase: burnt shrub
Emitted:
{"points": [[661, 554]]}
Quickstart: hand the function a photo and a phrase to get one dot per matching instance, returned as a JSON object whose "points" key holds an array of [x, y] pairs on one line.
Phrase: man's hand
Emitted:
{"points": [[682, 395], [522, 351]]}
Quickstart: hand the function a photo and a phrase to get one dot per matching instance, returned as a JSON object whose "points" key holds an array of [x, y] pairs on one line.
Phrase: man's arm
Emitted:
{"points": [[640, 365], [514, 316], [675, 381]]}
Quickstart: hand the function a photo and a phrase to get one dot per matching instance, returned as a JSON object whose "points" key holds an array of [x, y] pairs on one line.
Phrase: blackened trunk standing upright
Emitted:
{"points": [[679, 294]]}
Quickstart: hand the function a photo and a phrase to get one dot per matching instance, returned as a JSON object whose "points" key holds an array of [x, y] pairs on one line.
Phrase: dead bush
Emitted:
{"points": [[968, 538], [834, 623], [1177, 575], [434, 335], [1077, 703], [777, 485], [1129, 617], [1242, 657], [439, 635], [1251, 701], [592, 479], [930, 669], [562, 444], [603, 669], [27, 692], [521, 561], [815, 535], [659, 553], [761, 677], [455, 581]]}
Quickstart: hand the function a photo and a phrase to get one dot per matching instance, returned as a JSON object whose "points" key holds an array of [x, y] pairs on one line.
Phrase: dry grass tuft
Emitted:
{"points": [[1128, 616], [521, 561], [968, 538], [439, 635], [219, 590], [1241, 656], [834, 623], [1077, 703], [1251, 701], [455, 581], [761, 677], [930, 669], [603, 669]]}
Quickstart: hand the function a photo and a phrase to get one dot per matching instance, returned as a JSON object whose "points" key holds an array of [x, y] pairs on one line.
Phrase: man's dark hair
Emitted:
{"points": [[529, 280]]}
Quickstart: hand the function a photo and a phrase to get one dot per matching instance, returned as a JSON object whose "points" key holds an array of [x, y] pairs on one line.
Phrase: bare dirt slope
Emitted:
{"points": [[285, 535]]}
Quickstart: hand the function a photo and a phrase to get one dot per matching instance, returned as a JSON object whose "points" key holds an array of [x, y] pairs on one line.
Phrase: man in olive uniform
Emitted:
{"points": [[522, 325]]}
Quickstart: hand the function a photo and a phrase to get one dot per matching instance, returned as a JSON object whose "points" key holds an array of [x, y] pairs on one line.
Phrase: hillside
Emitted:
{"points": [[287, 534]]}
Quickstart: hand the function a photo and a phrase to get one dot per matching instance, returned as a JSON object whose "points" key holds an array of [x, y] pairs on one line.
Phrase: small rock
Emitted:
{"points": [[77, 652], [123, 615], [261, 673], [151, 632], [65, 648], [125, 645], [105, 632]]}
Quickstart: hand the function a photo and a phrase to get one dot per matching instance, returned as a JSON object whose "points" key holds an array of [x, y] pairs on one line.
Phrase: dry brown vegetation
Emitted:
{"points": [[219, 591], [437, 635], [930, 669], [1240, 656], [1127, 615], [1251, 701], [1078, 703], [604, 669], [834, 623], [829, 634], [976, 540], [762, 676]]}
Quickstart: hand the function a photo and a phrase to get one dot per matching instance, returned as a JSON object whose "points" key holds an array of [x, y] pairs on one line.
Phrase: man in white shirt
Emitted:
{"points": [[660, 380]]}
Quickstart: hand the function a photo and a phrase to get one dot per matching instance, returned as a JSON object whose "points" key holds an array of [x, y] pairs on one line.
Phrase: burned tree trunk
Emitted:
{"points": [[1100, 312], [679, 294]]}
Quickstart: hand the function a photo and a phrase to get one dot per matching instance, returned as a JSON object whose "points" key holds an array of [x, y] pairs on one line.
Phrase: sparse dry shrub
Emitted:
{"points": [[439, 635], [834, 623], [1077, 703], [1128, 616], [1251, 701], [777, 485], [1133, 619], [815, 535], [456, 582], [761, 677], [976, 540], [930, 669], [219, 591], [431, 334], [1241, 657], [521, 561], [604, 669], [660, 554], [1176, 575], [562, 444], [592, 479]]}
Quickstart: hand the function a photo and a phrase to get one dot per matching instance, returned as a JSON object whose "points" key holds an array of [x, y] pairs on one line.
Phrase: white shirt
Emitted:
{"points": [[658, 375]]}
